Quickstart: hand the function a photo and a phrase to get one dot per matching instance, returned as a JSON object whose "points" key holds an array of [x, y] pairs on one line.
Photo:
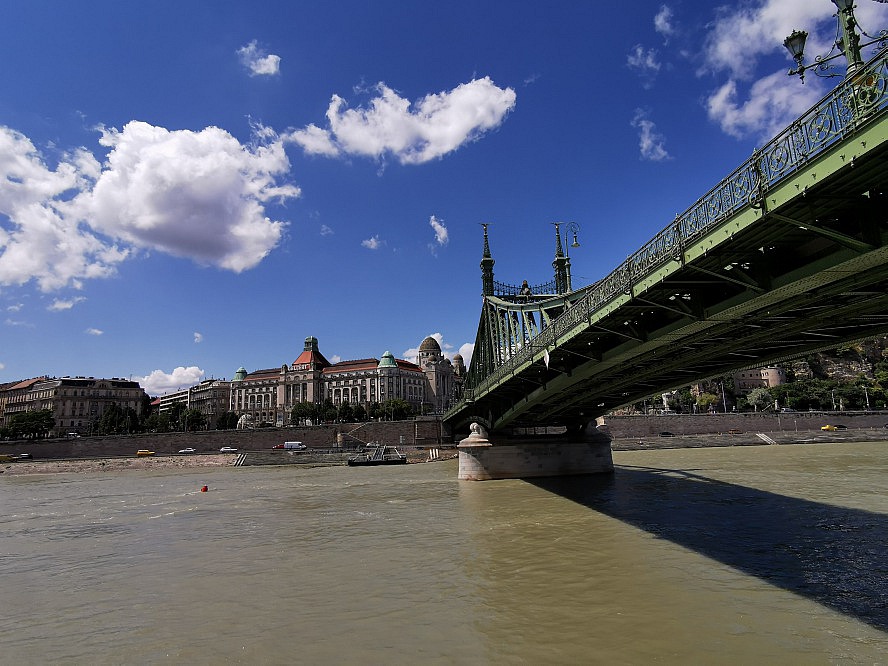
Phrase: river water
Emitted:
{"points": [[765, 555]]}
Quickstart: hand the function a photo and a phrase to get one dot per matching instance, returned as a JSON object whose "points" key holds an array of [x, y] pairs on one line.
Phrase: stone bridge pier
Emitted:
{"points": [[582, 450]]}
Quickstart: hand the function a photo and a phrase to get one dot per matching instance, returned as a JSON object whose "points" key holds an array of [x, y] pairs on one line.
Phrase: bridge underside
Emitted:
{"points": [[807, 271]]}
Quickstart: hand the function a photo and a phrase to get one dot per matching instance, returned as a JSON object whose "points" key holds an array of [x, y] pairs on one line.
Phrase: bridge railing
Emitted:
{"points": [[853, 104]]}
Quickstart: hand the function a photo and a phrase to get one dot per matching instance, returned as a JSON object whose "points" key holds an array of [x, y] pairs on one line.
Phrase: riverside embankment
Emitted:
{"points": [[416, 438]]}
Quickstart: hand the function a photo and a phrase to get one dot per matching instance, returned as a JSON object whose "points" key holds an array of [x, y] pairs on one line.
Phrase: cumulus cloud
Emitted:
{"points": [[191, 194], [758, 108], [442, 237], [645, 62], [59, 304], [372, 243], [198, 337], [650, 142], [16, 307], [40, 238], [160, 382], [199, 195], [414, 133], [771, 106], [663, 22], [743, 33], [2, 366], [326, 231], [258, 61], [94, 331]]}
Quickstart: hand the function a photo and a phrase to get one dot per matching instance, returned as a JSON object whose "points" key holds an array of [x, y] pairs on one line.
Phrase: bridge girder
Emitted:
{"points": [[802, 268]]}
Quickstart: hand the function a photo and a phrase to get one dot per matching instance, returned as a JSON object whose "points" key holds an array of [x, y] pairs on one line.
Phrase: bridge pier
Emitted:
{"points": [[482, 460]]}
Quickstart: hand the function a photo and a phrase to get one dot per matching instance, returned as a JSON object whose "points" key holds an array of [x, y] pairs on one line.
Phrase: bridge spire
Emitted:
{"points": [[561, 264], [487, 263]]}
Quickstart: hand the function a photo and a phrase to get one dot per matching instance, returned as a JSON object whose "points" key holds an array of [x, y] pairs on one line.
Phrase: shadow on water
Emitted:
{"points": [[833, 555]]}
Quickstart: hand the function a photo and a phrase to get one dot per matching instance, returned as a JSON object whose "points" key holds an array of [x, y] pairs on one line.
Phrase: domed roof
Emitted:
{"points": [[240, 374], [430, 345], [457, 357], [387, 361]]}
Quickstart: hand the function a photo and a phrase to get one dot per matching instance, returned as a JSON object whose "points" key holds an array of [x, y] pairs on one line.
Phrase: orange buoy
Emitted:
{"points": [[204, 489]]}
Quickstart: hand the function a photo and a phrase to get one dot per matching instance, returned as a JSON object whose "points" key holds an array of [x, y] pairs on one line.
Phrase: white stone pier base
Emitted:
{"points": [[479, 460]]}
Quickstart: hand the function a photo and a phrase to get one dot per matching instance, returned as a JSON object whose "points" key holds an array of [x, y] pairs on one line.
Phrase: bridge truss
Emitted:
{"points": [[786, 256]]}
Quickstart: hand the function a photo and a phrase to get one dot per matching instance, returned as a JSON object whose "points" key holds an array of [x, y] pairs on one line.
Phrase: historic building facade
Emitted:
{"points": [[747, 380], [77, 403], [268, 396]]}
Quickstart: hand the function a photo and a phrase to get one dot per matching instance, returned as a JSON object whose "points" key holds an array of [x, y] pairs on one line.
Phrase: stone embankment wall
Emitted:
{"points": [[425, 432], [700, 424]]}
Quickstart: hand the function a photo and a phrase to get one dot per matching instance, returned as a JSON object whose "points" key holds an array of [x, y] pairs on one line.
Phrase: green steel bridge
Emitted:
{"points": [[787, 255]]}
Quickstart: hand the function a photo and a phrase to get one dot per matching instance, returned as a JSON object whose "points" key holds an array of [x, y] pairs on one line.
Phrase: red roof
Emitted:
{"points": [[308, 357]]}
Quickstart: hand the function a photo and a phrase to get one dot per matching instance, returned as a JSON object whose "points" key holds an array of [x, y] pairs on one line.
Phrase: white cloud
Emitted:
{"points": [[372, 243], [772, 105], [740, 37], [190, 194], [59, 304], [43, 240], [645, 62], [15, 307], [326, 231], [94, 331], [14, 322], [336, 358], [198, 337], [442, 237], [412, 133], [663, 22], [650, 141], [160, 382], [258, 61], [2, 366], [200, 195]]}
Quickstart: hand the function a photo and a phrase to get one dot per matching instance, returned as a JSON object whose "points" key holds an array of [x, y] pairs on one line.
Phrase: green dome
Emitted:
{"points": [[240, 374], [387, 361]]}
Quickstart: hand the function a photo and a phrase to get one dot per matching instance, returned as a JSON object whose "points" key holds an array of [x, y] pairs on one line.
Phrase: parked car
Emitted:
{"points": [[828, 427], [23, 456], [278, 446], [227, 449], [144, 452], [839, 426], [666, 434], [188, 450]]}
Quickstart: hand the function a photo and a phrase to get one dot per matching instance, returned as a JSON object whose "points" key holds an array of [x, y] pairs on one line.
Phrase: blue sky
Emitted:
{"points": [[189, 187]]}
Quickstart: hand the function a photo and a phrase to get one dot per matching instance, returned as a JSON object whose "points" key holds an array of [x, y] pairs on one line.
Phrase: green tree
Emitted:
{"points": [[396, 410], [759, 398], [194, 420], [115, 420], [32, 425], [707, 400], [227, 421], [345, 412], [303, 411], [158, 422]]}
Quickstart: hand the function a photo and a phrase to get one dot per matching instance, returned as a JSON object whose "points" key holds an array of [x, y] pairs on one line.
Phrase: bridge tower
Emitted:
{"points": [[511, 316]]}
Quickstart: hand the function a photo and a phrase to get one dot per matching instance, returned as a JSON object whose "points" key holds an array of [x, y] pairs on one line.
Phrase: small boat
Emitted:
{"points": [[377, 454]]}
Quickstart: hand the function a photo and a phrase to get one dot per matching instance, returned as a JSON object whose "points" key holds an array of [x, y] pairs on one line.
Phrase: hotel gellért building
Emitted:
{"points": [[268, 396]]}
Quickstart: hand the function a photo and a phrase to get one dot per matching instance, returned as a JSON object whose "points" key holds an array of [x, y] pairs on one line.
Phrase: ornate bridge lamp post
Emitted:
{"points": [[847, 41], [573, 228]]}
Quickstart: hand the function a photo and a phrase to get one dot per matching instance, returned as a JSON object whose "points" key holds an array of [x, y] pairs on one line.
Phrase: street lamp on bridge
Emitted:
{"points": [[847, 41], [572, 228]]}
